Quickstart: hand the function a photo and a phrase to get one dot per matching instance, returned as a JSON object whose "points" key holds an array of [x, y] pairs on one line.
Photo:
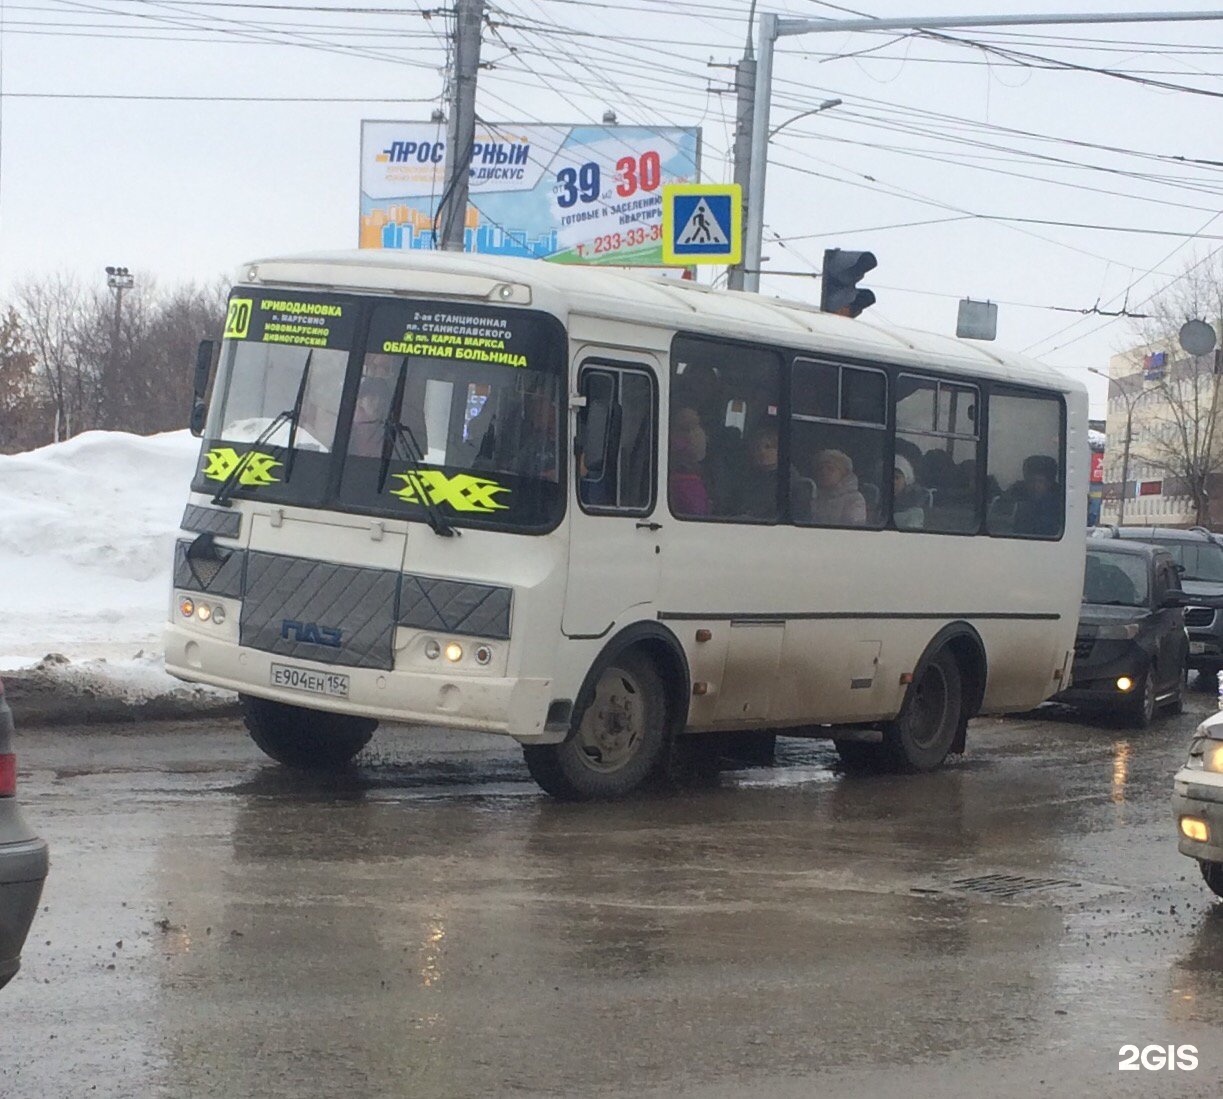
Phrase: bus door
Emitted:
{"points": [[614, 541]]}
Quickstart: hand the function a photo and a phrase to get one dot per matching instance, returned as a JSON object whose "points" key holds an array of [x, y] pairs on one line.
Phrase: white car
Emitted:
{"points": [[1197, 800]]}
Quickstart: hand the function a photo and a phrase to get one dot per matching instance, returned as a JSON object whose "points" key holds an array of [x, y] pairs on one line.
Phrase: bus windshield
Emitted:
{"points": [[457, 407], [440, 412]]}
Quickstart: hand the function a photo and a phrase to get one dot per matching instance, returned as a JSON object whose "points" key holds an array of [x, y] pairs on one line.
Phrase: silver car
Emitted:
{"points": [[1197, 801], [23, 857]]}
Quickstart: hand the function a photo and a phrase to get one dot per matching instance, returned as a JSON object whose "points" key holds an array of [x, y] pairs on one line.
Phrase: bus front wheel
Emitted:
{"points": [[921, 736], [617, 744], [308, 740]]}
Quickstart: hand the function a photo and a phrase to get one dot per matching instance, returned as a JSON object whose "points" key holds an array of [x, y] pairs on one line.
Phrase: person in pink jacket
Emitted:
{"points": [[686, 480]]}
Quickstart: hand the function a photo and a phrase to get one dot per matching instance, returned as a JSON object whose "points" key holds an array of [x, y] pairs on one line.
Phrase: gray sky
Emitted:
{"points": [[929, 129]]}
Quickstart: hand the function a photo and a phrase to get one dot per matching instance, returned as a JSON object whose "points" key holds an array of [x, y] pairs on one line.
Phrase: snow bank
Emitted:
{"points": [[87, 531]]}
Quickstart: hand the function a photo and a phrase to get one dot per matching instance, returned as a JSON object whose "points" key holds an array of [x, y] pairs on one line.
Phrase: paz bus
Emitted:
{"points": [[617, 518]]}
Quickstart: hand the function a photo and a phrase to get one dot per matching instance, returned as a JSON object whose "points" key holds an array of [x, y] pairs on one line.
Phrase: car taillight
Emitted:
{"points": [[8, 775]]}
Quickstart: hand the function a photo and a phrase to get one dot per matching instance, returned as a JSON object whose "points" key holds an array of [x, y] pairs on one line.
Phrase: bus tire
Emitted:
{"points": [[307, 740], [922, 735], [618, 743]]}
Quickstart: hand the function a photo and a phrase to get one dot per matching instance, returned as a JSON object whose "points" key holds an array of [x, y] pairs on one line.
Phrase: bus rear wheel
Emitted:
{"points": [[618, 742], [308, 740], [921, 736]]}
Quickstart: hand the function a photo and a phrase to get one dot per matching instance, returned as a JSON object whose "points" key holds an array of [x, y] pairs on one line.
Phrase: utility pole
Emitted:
{"points": [[461, 129], [745, 94], [773, 27]]}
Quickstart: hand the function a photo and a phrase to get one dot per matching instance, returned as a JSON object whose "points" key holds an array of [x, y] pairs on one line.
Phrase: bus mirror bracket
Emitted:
{"points": [[199, 385]]}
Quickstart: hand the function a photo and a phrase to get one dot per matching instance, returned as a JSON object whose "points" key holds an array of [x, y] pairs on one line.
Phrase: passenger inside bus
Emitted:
{"points": [[838, 501], [537, 453], [686, 485], [756, 486], [1039, 510], [369, 418], [909, 500]]}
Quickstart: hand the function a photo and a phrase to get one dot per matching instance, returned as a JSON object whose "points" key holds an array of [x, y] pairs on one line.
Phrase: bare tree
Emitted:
{"points": [[96, 365], [52, 313], [1184, 436], [23, 415]]}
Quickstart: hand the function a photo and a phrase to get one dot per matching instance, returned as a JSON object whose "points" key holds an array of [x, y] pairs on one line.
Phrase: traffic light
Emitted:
{"points": [[839, 292]]}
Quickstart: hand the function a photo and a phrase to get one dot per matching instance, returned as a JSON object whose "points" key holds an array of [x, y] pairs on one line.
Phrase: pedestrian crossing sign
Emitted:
{"points": [[702, 223]]}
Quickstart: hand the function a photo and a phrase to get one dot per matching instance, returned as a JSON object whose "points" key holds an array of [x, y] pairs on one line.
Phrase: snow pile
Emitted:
{"points": [[87, 532]]}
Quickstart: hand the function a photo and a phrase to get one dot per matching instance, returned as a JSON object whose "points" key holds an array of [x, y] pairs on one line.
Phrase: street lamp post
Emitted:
{"points": [[1130, 402], [118, 279]]}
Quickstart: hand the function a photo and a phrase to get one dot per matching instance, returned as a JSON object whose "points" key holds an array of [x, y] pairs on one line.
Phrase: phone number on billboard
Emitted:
{"points": [[613, 242]]}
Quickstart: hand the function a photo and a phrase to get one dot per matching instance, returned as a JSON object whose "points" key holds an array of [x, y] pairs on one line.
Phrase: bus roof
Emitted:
{"points": [[618, 293]]}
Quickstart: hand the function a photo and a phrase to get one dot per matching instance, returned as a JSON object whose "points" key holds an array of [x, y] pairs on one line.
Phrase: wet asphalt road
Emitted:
{"points": [[432, 925]]}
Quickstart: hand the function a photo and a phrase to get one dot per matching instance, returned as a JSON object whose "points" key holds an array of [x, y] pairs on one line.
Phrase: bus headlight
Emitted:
{"points": [[218, 614], [203, 612], [484, 654], [454, 652], [1212, 757], [186, 607], [1124, 683], [432, 649]]}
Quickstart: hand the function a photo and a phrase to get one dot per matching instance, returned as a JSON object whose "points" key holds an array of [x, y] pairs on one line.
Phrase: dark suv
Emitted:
{"points": [[1131, 649], [1199, 555]]}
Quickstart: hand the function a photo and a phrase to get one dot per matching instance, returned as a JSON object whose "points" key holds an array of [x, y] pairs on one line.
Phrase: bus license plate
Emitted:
{"points": [[303, 679]]}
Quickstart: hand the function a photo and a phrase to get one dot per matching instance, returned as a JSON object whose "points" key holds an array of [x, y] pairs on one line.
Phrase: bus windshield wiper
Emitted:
{"points": [[231, 481], [297, 411], [397, 435]]}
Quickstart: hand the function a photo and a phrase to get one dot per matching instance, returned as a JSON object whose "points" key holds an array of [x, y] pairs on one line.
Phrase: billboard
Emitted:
{"points": [[569, 194]]}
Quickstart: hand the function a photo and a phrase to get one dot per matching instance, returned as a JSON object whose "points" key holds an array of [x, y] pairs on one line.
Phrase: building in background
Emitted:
{"points": [[1160, 405]]}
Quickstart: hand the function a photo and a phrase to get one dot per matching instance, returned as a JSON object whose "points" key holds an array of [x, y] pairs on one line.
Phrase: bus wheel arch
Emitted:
{"points": [[947, 688], [638, 684]]}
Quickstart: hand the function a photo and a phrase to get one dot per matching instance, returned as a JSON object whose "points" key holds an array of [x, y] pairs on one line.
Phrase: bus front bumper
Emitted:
{"points": [[515, 706]]}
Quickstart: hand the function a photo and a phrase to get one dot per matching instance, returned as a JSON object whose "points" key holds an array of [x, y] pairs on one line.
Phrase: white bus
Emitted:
{"points": [[606, 513]]}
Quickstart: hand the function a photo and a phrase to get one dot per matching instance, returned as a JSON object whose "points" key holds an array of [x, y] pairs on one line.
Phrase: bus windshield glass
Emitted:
{"points": [[458, 408], [283, 363]]}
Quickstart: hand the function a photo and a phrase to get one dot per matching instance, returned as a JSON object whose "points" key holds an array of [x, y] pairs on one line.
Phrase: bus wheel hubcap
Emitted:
{"points": [[614, 723], [929, 708]]}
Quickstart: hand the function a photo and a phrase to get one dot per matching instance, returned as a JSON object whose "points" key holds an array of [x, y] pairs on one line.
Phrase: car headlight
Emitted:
{"points": [[1119, 631]]}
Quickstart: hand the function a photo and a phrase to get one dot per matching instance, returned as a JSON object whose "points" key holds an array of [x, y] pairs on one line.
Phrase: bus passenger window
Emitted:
{"points": [[837, 429], [724, 403], [625, 481], [935, 479], [1026, 483]]}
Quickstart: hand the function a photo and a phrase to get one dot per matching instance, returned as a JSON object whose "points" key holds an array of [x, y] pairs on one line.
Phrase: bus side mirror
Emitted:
{"points": [[596, 437], [199, 385]]}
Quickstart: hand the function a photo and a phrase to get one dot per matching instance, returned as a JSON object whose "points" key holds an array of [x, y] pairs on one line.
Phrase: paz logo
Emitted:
{"points": [[256, 466], [463, 492]]}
